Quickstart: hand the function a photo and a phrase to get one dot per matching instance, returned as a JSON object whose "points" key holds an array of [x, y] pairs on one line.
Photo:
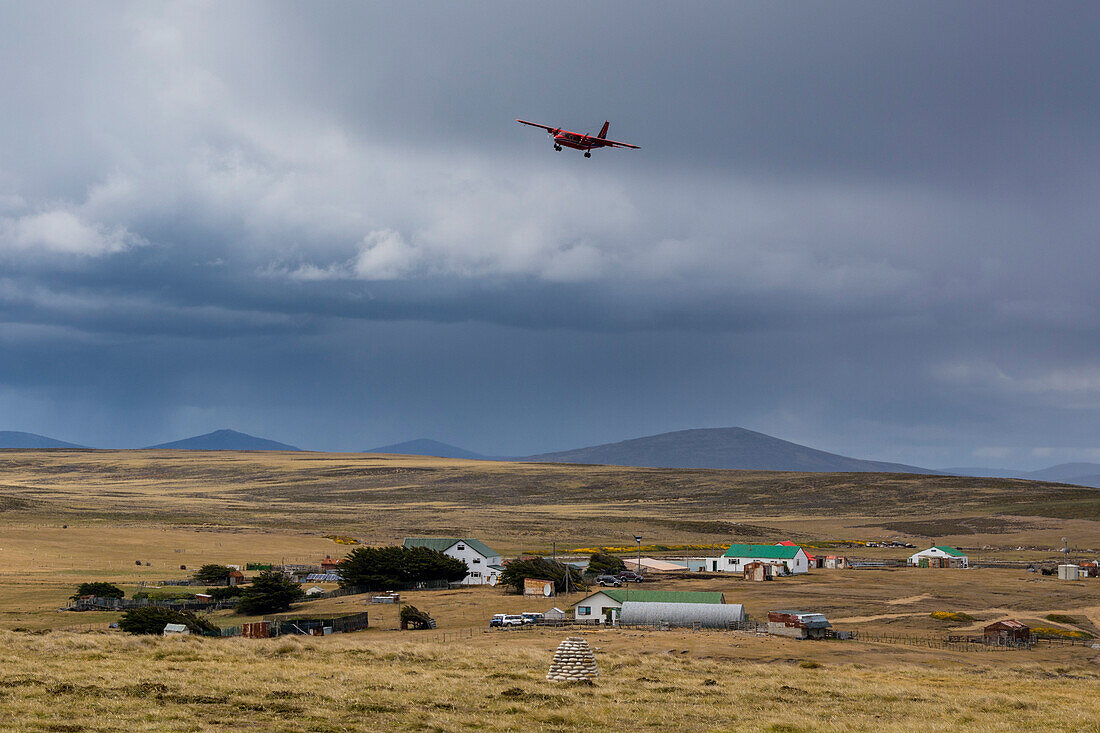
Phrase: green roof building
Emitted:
{"points": [[787, 559], [483, 561], [604, 605]]}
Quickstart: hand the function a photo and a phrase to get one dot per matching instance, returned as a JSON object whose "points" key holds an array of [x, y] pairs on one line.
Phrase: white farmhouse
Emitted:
{"points": [[483, 561], [791, 557], [940, 556]]}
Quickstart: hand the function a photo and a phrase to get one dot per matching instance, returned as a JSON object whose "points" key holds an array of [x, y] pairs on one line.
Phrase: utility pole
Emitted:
{"points": [[638, 539]]}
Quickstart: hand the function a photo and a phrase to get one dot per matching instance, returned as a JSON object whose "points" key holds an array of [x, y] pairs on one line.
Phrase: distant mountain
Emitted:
{"points": [[426, 447], [224, 440], [16, 439], [1081, 474], [736, 448], [983, 472], [1067, 472]]}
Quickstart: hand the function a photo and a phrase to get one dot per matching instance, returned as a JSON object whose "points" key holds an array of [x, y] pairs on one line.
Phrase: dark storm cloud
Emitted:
{"points": [[869, 227]]}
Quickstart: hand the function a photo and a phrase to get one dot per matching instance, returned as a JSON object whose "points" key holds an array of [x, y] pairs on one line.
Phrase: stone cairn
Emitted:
{"points": [[573, 662]]}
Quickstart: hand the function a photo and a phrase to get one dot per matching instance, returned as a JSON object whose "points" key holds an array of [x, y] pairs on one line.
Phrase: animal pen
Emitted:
{"points": [[315, 624]]}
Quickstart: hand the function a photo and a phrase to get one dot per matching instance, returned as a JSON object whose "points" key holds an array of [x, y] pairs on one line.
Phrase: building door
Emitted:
{"points": [[610, 615]]}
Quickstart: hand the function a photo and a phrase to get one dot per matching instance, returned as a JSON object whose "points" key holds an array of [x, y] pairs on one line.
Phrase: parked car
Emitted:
{"points": [[512, 620], [496, 620], [608, 580], [629, 576], [532, 617]]}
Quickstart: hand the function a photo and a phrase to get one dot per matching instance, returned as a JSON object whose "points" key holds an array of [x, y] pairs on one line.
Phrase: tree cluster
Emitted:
{"points": [[413, 618], [152, 619], [541, 568], [212, 574], [389, 567], [100, 590], [601, 563], [269, 592], [223, 592]]}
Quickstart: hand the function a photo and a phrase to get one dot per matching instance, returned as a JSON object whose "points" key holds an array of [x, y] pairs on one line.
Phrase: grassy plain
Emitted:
{"points": [[69, 516], [649, 681]]}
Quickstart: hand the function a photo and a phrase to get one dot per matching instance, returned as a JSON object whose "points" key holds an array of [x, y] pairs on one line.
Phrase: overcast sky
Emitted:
{"points": [[868, 227]]}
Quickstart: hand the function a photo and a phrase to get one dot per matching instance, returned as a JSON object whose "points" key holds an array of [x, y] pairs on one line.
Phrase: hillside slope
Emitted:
{"points": [[224, 440], [14, 439], [731, 448], [428, 447]]}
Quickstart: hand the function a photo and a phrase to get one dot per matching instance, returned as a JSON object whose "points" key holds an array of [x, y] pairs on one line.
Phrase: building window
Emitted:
{"points": [[477, 560], [584, 610], [475, 575], [460, 548]]}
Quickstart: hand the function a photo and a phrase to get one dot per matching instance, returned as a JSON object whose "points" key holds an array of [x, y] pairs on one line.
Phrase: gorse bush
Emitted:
{"points": [[388, 567]]}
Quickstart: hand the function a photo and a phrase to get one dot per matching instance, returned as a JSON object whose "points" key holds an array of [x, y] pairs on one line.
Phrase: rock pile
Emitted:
{"points": [[573, 662]]}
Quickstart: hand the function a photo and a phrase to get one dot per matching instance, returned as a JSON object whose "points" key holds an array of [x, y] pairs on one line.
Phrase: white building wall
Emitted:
{"points": [[592, 608], [480, 572], [796, 565]]}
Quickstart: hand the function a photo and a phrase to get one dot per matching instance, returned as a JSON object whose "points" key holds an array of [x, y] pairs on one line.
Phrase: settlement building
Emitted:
{"points": [[940, 556], [176, 630], [605, 605], [811, 560], [483, 561], [797, 624], [689, 615], [1007, 633], [786, 558]]}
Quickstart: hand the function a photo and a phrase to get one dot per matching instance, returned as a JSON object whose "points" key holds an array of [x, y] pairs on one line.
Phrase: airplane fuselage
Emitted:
{"points": [[575, 140]]}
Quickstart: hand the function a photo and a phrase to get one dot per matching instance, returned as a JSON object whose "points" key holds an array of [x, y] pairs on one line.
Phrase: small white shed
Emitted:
{"points": [[176, 630]]}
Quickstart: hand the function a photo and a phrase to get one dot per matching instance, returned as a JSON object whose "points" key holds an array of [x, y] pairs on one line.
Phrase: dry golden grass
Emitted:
{"points": [[529, 506], [171, 508], [388, 681]]}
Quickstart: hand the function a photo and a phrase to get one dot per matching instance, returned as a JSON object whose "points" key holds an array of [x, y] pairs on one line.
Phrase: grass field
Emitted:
{"points": [[71, 516], [389, 681]]}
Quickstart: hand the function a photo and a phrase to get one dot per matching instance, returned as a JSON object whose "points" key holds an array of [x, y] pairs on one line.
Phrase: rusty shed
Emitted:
{"points": [[798, 624], [1007, 633], [757, 571]]}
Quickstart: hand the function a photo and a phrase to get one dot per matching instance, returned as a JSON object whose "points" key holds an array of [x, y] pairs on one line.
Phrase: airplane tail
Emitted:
{"points": [[603, 130]]}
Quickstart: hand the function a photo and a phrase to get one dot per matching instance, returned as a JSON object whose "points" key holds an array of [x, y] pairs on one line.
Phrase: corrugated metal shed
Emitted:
{"points": [[707, 615]]}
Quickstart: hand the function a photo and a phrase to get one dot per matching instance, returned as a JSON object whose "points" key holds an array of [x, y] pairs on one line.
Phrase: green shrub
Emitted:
{"points": [[1059, 618], [270, 592], [387, 567], [102, 590], [223, 592], [152, 619], [541, 568], [212, 574], [602, 563]]}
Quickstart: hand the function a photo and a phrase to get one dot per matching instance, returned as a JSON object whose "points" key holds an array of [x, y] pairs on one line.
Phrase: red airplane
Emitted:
{"points": [[577, 141]]}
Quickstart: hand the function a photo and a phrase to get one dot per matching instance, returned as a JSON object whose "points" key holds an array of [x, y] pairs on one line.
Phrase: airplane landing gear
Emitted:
{"points": [[587, 154], [558, 148]]}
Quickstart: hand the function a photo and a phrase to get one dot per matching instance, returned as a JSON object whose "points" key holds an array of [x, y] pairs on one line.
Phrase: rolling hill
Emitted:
{"points": [[731, 448], [1081, 474], [224, 440], [30, 441], [428, 447]]}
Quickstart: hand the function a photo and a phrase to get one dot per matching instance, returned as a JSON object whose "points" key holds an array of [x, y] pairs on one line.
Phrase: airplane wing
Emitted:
{"points": [[535, 124], [612, 143]]}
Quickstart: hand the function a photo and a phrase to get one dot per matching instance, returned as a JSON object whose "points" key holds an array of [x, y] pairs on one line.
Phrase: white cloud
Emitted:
{"points": [[64, 232], [386, 255]]}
